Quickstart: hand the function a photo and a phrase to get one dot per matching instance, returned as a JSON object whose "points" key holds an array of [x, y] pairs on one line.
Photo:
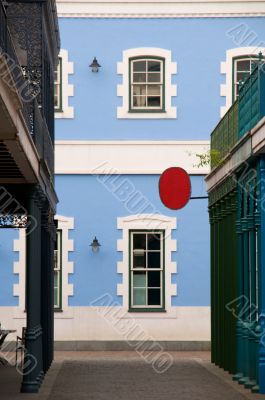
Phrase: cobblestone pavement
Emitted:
{"points": [[125, 376]]}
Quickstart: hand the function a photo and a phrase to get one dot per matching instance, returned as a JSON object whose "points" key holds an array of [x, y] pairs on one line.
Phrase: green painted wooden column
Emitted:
{"points": [[212, 256], [244, 314], [252, 276], [261, 277], [33, 365], [239, 286], [47, 266], [257, 213]]}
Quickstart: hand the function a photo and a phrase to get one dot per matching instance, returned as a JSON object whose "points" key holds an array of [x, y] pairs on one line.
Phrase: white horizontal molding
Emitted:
{"points": [[158, 8], [128, 157]]}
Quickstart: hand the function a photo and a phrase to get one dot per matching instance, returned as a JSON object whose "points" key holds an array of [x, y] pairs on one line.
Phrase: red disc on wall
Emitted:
{"points": [[174, 188]]}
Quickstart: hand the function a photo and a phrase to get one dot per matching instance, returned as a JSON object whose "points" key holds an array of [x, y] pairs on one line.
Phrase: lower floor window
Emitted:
{"points": [[58, 271], [146, 269]]}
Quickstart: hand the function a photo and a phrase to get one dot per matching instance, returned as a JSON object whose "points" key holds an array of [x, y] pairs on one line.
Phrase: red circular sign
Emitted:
{"points": [[174, 188]]}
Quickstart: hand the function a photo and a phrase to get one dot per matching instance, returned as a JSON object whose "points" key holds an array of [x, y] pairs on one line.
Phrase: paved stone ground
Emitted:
{"points": [[126, 376]]}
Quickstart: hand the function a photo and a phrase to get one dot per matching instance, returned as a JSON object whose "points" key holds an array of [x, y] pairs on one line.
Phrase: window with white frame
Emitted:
{"points": [[147, 84], [58, 271], [146, 278], [237, 66], [242, 68], [63, 90], [58, 86], [146, 88]]}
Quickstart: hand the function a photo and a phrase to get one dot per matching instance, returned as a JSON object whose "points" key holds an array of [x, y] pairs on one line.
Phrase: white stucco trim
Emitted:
{"points": [[65, 224], [67, 88], [146, 221], [19, 268], [227, 69], [118, 157], [159, 8], [123, 89]]}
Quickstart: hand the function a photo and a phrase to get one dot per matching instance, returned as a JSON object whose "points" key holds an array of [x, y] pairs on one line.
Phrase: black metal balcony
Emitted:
{"points": [[36, 104]]}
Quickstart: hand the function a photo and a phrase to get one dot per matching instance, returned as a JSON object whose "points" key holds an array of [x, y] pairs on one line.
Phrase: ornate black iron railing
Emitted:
{"points": [[26, 81]]}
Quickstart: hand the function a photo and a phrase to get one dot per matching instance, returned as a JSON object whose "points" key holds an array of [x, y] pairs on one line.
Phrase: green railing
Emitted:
{"points": [[242, 116], [251, 100], [225, 135]]}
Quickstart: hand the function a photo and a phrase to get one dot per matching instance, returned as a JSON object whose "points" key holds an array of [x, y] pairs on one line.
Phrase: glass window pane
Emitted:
{"points": [[154, 66], [154, 78], [139, 101], [243, 65], [153, 101], [139, 90], [56, 279], [139, 241], [154, 260], [154, 279], [139, 279], [139, 66], [139, 297], [241, 76], [154, 297], [153, 240], [139, 77], [154, 90], [139, 261], [56, 297]]}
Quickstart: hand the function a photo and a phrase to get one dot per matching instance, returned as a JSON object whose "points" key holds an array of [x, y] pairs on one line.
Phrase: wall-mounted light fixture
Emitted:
{"points": [[95, 65], [95, 245]]}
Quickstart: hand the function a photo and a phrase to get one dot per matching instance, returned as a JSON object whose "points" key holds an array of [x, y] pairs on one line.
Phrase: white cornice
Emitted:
{"points": [[159, 8], [128, 157]]}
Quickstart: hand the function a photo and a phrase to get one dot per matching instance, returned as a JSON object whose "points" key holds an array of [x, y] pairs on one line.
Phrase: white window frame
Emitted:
{"points": [[123, 90], [147, 269], [235, 70], [147, 222], [58, 269], [226, 89], [58, 86], [133, 83], [67, 90], [65, 224]]}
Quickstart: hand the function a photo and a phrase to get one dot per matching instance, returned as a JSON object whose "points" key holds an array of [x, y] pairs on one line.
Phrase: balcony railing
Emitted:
{"points": [[225, 135], [242, 116], [19, 83], [252, 100]]}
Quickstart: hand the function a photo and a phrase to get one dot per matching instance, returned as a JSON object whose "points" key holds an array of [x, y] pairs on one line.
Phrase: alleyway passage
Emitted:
{"points": [[125, 376]]}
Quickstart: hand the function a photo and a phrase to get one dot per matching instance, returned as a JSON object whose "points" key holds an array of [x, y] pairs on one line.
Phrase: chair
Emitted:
{"points": [[3, 335], [20, 346]]}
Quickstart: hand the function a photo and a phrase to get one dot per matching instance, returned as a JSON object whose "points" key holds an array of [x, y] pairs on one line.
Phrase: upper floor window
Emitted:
{"points": [[63, 90], [147, 84], [242, 68], [58, 86], [238, 65], [146, 88]]}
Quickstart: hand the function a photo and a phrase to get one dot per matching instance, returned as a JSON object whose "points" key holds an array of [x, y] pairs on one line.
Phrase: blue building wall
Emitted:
{"points": [[7, 258], [198, 46], [95, 210]]}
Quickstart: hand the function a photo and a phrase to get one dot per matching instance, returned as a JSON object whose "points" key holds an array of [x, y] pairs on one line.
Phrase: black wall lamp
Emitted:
{"points": [[95, 245], [95, 65]]}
